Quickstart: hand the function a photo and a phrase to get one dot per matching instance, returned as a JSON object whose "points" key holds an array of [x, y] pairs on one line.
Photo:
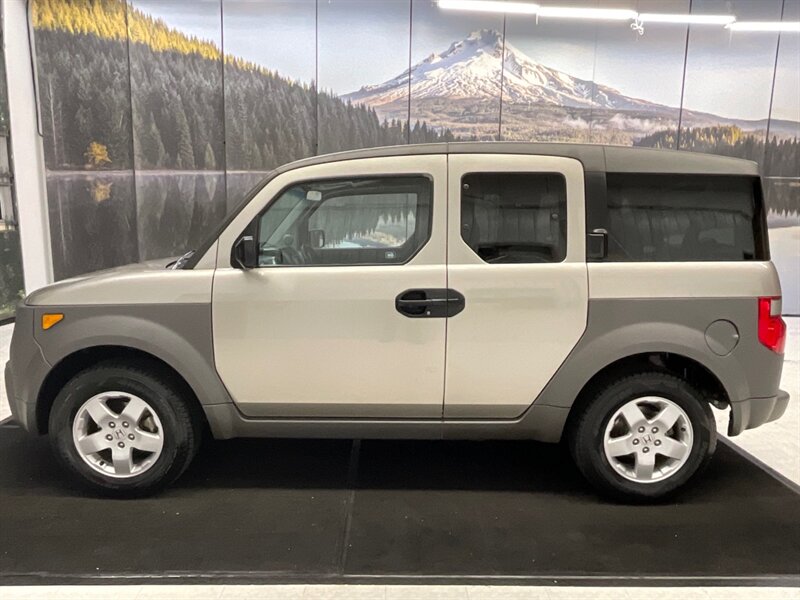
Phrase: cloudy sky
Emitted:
{"points": [[364, 42]]}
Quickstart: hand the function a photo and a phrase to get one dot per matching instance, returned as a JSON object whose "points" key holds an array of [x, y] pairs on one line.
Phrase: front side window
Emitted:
{"points": [[656, 217], [515, 217], [363, 221]]}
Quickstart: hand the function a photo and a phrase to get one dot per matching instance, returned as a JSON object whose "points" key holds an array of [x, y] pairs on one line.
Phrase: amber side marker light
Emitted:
{"points": [[50, 319]]}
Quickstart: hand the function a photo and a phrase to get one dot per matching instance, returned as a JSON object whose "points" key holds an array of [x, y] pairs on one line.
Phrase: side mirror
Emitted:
{"points": [[245, 253], [316, 238]]}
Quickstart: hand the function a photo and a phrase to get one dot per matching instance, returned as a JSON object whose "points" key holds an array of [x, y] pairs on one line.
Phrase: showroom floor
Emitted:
{"points": [[777, 445]]}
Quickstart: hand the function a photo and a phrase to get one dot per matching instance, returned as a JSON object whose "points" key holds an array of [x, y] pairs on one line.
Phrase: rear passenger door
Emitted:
{"points": [[516, 252]]}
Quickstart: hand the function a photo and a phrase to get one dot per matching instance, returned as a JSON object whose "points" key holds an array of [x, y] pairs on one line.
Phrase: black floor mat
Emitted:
{"points": [[310, 510]]}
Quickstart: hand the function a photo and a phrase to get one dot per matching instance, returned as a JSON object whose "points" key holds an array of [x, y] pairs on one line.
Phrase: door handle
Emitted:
{"points": [[426, 302], [429, 303]]}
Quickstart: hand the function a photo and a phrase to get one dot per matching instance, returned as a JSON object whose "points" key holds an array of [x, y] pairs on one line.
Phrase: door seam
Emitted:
{"points": [[446, 275]]}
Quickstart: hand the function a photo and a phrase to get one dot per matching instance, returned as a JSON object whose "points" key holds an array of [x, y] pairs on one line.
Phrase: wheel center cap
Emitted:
{"points": [[646, 439], [119, 434]]}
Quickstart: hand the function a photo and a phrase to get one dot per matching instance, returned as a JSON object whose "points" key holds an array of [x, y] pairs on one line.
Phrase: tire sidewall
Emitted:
{"points": [[95, 381]]}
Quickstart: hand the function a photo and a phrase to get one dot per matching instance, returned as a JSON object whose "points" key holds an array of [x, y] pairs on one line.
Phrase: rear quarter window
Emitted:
{"points": [[673, 217]]}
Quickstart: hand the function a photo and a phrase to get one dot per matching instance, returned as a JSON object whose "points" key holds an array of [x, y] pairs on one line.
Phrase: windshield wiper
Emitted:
{"points": [[181, 262]]}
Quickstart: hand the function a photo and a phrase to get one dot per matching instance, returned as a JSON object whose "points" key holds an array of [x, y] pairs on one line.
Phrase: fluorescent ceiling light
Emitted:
{"points": [[522, 8], [765, 26], [605, 14], [687, 19]]}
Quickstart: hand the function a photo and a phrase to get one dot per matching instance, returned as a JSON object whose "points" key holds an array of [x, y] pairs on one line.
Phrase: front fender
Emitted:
{"points": [[178, 334]]}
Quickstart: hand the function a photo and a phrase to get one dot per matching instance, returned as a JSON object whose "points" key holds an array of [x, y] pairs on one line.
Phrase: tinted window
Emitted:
{"points": [[684, 218], [515, 217], [346, 222]]}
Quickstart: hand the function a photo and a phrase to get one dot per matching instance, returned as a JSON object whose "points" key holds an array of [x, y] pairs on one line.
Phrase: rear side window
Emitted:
{"points": [[515, 217], [669, 217]]}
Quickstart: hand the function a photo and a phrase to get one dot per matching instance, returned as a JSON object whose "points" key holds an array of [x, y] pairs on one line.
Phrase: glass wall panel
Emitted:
{"points": [[548, 81], [728, 81], [456, 72], [782, 164], [11, 281], [84, 86], [647, 70], [176, 87], [782, 161], [363, 73], [270, 90]]}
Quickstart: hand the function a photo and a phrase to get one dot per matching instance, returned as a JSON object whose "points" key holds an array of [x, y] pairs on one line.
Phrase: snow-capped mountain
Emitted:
{"points": [[459, 89], [473, 67]]}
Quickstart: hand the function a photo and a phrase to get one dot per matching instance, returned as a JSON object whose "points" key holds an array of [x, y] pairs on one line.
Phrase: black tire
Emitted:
{"points": [[182, 429], [585, 437]]}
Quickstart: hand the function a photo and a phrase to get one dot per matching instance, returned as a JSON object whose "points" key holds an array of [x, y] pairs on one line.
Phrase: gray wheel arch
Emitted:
{"points": [[177, 335], [599, 351]]}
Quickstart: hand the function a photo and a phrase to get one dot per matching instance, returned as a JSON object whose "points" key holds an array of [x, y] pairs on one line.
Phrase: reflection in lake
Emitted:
{"points": [[100, 220], [240, 183], [92, 221], [176, 211]]}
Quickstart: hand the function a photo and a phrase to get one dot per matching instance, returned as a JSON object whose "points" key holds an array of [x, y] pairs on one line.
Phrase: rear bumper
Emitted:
{"points": [[754, 412]]}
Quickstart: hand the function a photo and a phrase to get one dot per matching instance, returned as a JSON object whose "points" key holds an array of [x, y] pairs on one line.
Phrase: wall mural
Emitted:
{"points": [[151, 136]]}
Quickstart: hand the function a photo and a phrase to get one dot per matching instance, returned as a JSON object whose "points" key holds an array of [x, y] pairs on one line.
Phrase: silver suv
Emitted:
{"points": [[603, 296]]}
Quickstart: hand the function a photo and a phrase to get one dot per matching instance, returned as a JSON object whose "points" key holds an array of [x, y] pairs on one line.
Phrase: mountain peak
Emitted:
{"points": [[474, 67], [485, 37], [480, 41]]}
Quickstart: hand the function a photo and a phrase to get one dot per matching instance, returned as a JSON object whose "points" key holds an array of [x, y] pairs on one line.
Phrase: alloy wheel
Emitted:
{"points": [[118, 434], [648, 439]]}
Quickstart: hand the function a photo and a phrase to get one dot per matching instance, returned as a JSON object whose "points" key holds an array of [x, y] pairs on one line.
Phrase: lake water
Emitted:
{"points": [[104, 219]]}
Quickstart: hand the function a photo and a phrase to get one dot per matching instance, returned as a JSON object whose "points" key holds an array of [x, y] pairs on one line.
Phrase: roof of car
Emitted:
{"points": [[595, 157]]}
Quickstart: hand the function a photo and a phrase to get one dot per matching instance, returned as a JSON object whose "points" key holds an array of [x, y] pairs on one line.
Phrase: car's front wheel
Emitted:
{"points": [[124, 429], [642, 437]]}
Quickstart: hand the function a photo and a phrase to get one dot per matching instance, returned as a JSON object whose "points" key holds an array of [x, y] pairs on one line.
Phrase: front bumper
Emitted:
{"points": [[22, 412], [753, 412], [25, 372]]}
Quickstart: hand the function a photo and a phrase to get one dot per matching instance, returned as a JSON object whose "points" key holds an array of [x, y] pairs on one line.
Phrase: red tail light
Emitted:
{"points": [[771, 327]]}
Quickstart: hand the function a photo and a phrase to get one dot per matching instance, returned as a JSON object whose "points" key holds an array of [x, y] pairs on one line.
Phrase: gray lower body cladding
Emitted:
{"points": [[177, 334], [618, 329], [180, 335]]}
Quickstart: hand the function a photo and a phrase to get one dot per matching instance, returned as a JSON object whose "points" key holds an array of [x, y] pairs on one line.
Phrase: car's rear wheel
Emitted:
{"points": [[644, 436], [124, 429]]}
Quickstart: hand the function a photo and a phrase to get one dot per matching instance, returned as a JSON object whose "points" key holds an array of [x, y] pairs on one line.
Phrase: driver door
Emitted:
{"points": [[317, 329]]}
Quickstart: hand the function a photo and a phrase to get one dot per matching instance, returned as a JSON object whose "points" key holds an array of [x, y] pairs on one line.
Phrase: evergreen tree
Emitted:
{"points": [[209, 162], [780, 159], [150, 151], [185, 156]]}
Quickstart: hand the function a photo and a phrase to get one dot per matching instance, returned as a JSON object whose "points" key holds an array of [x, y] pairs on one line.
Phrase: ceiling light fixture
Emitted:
{"points": [[520, 8], [686, 19], [765, 26], [600, 14]]}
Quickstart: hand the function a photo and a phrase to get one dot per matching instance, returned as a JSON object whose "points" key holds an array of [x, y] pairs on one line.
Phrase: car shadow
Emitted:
{"points": [[27, 465]]}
